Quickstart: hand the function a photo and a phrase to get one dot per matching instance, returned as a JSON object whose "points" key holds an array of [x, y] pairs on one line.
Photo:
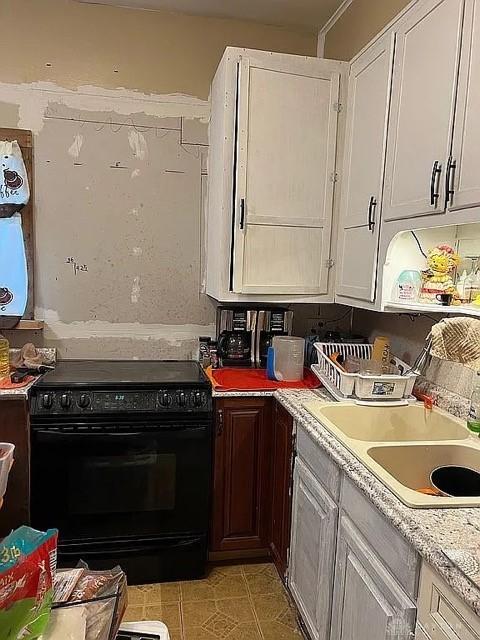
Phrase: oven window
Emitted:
{"points": [[133, 483]]}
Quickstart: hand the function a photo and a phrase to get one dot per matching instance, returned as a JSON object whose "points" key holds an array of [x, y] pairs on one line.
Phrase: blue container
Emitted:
{"points": [[271, 363]]}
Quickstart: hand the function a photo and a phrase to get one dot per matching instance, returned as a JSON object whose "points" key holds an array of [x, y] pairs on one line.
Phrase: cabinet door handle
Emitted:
{"points": [[434, 181], [220, 422], [450, 180], [371, 213], [242, 213]]}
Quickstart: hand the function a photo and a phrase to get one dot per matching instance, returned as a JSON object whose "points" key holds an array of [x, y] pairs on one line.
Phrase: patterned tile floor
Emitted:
{"points": [[241, 602]]}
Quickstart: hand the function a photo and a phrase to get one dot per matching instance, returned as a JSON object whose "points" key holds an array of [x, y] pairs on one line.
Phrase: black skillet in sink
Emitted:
{"points": [[455, 481]]}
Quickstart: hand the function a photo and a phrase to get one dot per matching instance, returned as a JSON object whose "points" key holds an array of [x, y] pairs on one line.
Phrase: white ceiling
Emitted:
{"points": [[306, 14]]}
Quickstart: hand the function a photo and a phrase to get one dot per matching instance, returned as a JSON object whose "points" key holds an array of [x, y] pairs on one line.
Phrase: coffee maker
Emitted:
{"points": [[270, 323], [236, 336]]}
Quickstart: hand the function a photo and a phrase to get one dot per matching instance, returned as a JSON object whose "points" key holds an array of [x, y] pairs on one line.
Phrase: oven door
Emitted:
{"points": [[111, 481]]}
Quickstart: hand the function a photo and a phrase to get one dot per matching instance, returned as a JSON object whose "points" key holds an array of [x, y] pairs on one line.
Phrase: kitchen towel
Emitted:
{"points": [[13, 272], [457, 340], [238, 379], [29, 357]]}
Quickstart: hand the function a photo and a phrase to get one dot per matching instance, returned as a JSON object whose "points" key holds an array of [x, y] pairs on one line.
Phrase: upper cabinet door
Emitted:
{"points": [[423, 103], [367, 116], [463, 181], [285, 163]]}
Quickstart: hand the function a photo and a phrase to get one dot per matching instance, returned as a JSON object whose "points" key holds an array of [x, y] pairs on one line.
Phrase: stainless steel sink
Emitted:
{"points": [[402, 445]]}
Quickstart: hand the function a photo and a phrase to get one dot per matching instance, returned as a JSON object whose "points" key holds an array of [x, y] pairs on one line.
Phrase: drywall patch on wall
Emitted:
{"points": [[119, 220], [135, 295], [174, 335], [76, 146], [34, 102], [138, 144]]}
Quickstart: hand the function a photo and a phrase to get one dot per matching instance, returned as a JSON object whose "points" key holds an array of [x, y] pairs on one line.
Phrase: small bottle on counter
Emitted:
{"points": [[4, 358], [204, 351], [214, 354], [473, 420]]}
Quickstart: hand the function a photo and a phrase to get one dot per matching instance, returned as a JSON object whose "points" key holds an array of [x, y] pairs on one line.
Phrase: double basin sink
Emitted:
{"points": [[403, 445]]}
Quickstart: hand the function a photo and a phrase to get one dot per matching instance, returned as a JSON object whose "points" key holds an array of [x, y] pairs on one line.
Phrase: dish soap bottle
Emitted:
{"points": [[473, 420], [4, 358]]}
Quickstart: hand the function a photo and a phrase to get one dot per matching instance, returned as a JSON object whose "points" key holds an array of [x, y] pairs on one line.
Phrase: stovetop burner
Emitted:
{"points": [[123, 373]]}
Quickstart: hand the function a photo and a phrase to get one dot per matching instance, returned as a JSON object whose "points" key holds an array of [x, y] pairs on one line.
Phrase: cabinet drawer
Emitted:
{"points": [[319, 463], [441, 613], [397, 554]]}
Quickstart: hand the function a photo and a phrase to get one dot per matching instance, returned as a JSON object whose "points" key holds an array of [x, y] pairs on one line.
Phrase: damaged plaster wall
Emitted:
{"points": [[119, 219], [117, 101]]}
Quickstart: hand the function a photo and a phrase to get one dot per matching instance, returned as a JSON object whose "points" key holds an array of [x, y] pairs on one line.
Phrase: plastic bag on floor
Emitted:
{"points": [[104, 595], [27, 565]]}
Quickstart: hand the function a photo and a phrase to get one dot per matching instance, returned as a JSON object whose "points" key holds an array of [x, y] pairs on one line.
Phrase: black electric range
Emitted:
{"points": [[121, 465]]}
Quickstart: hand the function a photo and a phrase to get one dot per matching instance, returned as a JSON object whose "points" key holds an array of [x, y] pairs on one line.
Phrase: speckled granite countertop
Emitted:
{"points": [[22, 392], [19, 392], [243, 394], [449, 539]]}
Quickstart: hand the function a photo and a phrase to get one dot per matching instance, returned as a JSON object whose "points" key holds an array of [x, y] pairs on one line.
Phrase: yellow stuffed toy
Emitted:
{"points": [[442, 262]]}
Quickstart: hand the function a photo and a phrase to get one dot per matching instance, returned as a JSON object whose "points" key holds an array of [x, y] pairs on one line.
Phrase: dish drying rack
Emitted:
{"points": [[379, 390]]}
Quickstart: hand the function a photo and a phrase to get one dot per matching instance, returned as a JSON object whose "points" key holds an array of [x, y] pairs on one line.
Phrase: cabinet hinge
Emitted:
{"points": [[329, 263], [337, 106], [333, 176]]}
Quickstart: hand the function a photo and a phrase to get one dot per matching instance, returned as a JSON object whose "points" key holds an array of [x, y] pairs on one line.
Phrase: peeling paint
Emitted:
{"points": [[76, 146], [33, 100], [135, 295], [173, 335], [138, 144]]}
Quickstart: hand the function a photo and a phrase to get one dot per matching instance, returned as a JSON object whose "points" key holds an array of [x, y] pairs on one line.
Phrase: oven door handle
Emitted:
{"points": [[121, 551], [49, 435]]}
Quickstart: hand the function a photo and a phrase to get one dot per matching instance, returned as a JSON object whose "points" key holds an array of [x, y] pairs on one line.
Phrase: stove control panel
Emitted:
{"points": [[60, 402]]}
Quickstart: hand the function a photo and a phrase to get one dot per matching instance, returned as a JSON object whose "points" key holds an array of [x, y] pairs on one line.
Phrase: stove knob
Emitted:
{"points": [[47, 401], [165, 399], [65, 401], [181, 399], [197, 399], [84, 401]]}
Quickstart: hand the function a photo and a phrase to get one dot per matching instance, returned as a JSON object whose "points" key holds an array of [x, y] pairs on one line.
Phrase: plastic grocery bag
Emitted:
{"points": [[14, 187], [28, 561], [13, 271]]}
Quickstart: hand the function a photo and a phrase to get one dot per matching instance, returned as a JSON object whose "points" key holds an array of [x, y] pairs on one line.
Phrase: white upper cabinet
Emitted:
{"points": [[286, 158], [422, 109], [463, 181], [273, 137], [360, 209]]}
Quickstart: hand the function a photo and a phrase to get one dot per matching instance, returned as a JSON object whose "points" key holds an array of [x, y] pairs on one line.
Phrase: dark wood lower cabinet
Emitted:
{"points": [[14, 428], [242, 470], [251, 507], [282, 467]]}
